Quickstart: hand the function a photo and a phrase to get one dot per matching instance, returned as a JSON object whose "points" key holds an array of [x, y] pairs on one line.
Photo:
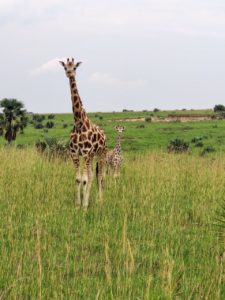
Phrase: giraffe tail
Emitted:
{"points": [[97, 171]]}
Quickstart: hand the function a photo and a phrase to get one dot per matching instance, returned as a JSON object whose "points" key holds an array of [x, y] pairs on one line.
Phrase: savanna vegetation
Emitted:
{"points": [[159, 234]]}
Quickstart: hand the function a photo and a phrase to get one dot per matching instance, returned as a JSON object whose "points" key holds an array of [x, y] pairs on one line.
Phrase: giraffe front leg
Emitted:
{"points": [[76, 162], [87, 181]]}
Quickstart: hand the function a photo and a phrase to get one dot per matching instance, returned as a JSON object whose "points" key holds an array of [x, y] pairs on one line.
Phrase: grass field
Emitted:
{"points": [[138, 135], [152, 238]]}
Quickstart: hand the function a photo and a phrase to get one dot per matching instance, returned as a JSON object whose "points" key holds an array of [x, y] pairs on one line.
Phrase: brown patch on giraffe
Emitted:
{"points": [[87, 123], [87, 145], [94, 138], [89, 135], [78, 114], [95, 147], [83, 137], [74, 137], [84, 128]]}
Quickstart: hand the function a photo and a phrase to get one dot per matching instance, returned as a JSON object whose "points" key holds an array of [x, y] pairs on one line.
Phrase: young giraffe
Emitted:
{"points": [[86, 140], [114, 158]]}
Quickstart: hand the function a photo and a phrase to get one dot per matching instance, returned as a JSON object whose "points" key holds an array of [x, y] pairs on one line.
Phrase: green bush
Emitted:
{"points": [[219, 108], [38, 118], [148, 119], [51, 116], [196, 139], [177, 146], [208, 149], [38, 125], [49, 124], [53, 147]]}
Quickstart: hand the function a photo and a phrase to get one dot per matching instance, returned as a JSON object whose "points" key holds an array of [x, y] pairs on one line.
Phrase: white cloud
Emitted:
{"points": [[50, 66], [107, 79], [134, 17]]}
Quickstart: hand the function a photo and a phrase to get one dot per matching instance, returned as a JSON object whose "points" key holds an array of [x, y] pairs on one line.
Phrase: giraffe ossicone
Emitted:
{"points": [[87, 140]]}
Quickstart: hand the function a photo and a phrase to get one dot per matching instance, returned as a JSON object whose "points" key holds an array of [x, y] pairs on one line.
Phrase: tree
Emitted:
{"points": [[219, 108], [12, 119]]}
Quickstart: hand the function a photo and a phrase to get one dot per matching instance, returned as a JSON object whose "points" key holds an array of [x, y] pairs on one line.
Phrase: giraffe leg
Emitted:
{"points": [[76, 162], [87, 181], [100, 175]]}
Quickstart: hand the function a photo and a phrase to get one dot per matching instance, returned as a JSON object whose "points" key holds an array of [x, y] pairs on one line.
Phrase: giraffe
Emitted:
{"points": [[87, 140], [114, 157]]}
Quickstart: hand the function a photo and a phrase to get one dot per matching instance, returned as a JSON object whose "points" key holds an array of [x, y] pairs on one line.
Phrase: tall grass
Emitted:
{"points": [[151, 238]]}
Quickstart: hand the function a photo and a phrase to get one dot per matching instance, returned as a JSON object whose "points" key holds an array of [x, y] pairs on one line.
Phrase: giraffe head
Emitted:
{"points": [[119, 129], [70, 67]]}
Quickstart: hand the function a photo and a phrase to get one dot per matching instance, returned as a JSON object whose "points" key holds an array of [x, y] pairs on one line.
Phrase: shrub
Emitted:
{"points": [[53, 147], [49, 124], [199, 144], [208, 149], [196, 139], [51, 116], [38, 118], [156, 110], [38, 125], [140, 126], [64, 125], [40, 146], [148, 119], [219, 108], [178, 145]]}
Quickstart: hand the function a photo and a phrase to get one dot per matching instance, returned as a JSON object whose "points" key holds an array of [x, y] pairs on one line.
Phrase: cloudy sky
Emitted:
{"points": [[136, 54]]}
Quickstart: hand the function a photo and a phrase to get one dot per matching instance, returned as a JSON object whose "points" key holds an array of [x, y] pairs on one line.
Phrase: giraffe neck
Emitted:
{"points": [[118, 143], [78, 110]]}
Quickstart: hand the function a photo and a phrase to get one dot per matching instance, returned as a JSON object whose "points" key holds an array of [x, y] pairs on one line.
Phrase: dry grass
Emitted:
{"points": [[151, 238]]}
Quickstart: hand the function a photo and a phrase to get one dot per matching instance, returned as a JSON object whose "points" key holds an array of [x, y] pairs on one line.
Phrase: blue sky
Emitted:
{"points": [[136, 54]]}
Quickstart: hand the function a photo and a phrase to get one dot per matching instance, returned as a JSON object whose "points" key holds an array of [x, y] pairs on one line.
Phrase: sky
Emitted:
{"points": [[136, 54]]}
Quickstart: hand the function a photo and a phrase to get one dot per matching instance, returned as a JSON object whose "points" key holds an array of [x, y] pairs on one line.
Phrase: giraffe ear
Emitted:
{"points": [[77, 64], [62, 63]]}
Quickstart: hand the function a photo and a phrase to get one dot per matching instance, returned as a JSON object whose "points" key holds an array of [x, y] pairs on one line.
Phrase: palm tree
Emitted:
{"points": [[12, 119]]}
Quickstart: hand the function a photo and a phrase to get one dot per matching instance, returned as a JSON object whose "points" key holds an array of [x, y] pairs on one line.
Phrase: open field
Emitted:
{"points": [[139, 135], [152, 238]]}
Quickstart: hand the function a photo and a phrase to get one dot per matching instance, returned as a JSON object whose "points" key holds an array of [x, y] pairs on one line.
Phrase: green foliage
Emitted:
{"points": [[178, 145], [13, 118], [49, 124], [141, 126], [219, 108], [51, 116], [196, 139], [53, 147], [208, 149], [148, 119], [38, 118], [38, 125], [199, 144]]}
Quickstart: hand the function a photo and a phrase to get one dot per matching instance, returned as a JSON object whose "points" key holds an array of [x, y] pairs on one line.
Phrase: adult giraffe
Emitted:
{"points": [[86, 140]]}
